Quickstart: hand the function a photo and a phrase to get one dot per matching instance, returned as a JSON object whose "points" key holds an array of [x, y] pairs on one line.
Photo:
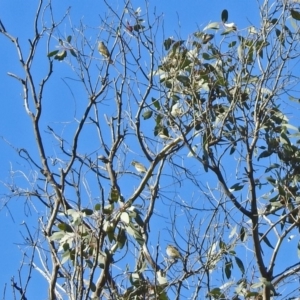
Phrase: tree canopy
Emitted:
{"points": [[161, 168]]}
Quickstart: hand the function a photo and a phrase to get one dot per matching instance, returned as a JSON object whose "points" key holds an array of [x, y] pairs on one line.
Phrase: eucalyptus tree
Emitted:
{"points": [[183, 145]]}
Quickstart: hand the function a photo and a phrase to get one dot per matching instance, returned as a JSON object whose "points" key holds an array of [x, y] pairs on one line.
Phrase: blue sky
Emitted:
{"points": [[180, 18]]}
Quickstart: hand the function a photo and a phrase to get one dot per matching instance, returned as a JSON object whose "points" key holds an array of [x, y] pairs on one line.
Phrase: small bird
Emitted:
{"points": [[104, 51], [173, 252], [139, 167], [163, 136]]}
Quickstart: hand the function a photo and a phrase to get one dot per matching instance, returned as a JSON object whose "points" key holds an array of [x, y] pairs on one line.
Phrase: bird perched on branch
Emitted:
{"points": [[173, 252], [139, 167], [104, 51]]}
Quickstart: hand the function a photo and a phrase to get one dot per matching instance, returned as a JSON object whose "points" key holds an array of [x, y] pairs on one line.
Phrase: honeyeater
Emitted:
{"points": [[139, 167], [173, 252], [104, 51]]}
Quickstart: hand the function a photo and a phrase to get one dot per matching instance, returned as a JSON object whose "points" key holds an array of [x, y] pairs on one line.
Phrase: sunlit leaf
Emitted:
{"points": [[233, 232], [61, 55], [57, 235], [65, 257], [125, 217], [161, 278], [257, 285], [214, 25], [147, 114]]}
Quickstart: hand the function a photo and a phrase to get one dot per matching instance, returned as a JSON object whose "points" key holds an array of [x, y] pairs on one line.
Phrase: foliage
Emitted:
{"points": [[208, 119]]}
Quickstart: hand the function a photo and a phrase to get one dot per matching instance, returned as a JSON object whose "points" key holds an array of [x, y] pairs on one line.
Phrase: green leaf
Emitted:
{"points": [[121, 238], [243, 234], [114, 195], [53, 53], [266, 153], [224, 16], [65, 227], [222, 245], [265, 239], [236, 187], [216, 293], [156, 103], [232, 44], [271, 180], [167, 43], [138, 27], [206, 56], [139, 220], [87, 211], [108, 209], [183, 79], [73, 52], [295, 14], [232, 150], [66, 246], [93, 286], [147, 114], [284, 139], [273, 166], [228, 267], [97, 206], [240, 264]]}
